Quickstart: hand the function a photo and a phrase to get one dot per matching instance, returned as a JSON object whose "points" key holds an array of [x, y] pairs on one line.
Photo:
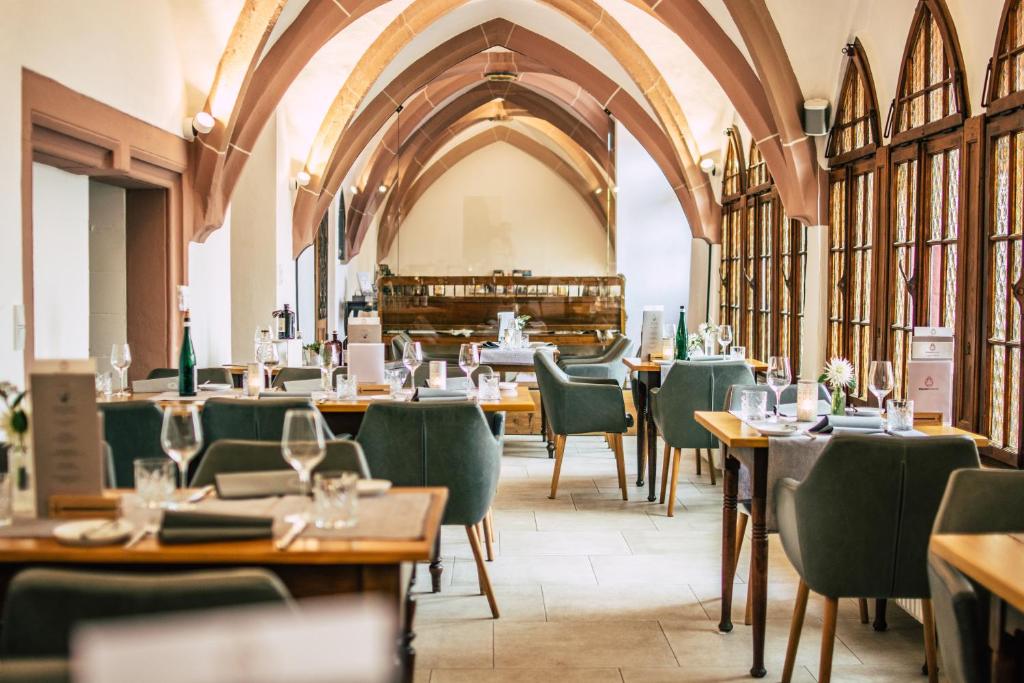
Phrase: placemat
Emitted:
{"points": [[788, 457]]}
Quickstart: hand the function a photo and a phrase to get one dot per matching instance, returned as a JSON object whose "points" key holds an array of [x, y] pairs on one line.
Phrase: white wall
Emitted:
{"points": [[499, 208], [60, 211], [108, 273], [209, 275], [654, 239]]}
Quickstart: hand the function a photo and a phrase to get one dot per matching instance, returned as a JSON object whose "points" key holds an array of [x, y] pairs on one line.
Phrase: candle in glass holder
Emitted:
{"points": [[806, 400], [254, 374], [438, 374]]}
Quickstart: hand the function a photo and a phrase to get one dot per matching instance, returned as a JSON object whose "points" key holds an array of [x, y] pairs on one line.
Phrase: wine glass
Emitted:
{"points": [[779, 377], [302, 444], [328, 363], [181, 436], [267, 354], [120, 360], [412, 358], [880, 380], [724, 337], [469, 360]]}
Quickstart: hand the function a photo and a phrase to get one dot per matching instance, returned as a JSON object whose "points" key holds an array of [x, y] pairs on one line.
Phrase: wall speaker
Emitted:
{"points": [[817, 112]]}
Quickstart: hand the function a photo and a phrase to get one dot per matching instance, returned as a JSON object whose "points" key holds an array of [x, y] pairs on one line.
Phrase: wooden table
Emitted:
{"points": [[995, 561], [648, 374], [309, 568], [733, 433]]}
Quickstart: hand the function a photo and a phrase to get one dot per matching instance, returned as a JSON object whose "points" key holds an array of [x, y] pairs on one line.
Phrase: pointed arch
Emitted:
{"points": [[734, 171], [758, 177], [1004, 79], [734, 184], [931, 94], [855, 130]]}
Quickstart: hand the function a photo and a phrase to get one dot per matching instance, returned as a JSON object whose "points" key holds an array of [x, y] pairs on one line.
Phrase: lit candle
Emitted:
{"points": [[806, 400], [438, 374], [254, 379]]}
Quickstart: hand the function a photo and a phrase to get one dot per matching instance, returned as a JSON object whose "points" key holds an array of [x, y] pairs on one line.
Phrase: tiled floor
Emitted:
{"points": [[595, 589]]}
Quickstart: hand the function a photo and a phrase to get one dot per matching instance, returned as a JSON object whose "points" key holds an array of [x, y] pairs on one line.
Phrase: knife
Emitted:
{"points": [[290, 536], [201, 493]]}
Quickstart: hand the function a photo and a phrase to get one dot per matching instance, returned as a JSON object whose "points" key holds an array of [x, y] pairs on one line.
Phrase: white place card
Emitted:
{"points": [[930, 386], [650, 331], [366, 361]]}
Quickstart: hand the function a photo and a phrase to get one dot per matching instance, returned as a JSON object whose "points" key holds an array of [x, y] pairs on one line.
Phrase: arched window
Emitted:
{"points": [[733, 184], [1001, 289], [759, 249], [852, 215], [924, 238]]}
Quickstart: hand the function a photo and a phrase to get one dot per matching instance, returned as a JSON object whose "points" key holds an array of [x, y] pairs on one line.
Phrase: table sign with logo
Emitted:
{"points": [[930, 371], [650, 332], [932, 343], [65, 430]]}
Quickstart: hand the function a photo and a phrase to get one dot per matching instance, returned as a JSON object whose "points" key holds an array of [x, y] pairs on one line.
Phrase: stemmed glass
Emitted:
{"points": [[267, 354], [120, 360], [779, 377], [302, 444], [328, 363], [880, 380], [469, 360], [181, 437], [724, 337], [412, 358]]}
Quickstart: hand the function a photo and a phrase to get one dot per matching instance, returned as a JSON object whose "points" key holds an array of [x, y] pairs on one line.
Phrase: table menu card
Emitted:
{"points": [[650, 332], [65, 430]]}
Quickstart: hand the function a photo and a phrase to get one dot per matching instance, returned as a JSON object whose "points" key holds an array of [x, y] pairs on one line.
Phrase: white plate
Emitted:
{"points": [[373, 487], [93, 532], [210, 386], [774, 429]]}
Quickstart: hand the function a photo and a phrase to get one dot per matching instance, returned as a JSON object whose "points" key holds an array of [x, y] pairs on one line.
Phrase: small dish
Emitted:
{"points": [[508, 387], [373, 487], [211, 386], [774, 428], [94, 532]]}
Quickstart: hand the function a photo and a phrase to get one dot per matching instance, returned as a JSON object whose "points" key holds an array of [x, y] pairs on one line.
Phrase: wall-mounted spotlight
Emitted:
{"points": [[383, 188], [302, 178], [708, 165], [598, 191], [200, 124], [354, 190]]}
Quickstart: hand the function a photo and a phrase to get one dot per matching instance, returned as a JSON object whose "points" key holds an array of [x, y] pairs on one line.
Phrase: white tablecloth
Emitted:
{"points": [[511, 356]]}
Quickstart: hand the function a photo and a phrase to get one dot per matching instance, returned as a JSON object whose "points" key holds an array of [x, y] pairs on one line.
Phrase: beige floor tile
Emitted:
{"points": [[640, 602], [454, 646], [674, 542], [573, 569], [879, 674], [689, 674], [538, 543], [592, 520], [464, 603], [526, 676], [591, 644], [655, 569]]}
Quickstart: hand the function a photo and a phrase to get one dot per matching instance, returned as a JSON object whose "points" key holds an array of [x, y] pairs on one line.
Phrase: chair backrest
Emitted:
{"points": [[733, 393], [239, 418], [435, 444], [211, 375], [608, 366], [578, 406], [866, 509], [398, 342], [287, 374], [232, 455], [43, 606], [132, 428], [692, 386]]}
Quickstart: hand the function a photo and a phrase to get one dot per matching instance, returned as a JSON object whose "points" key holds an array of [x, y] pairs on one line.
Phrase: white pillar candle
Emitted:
{"points": [[806, 400], [438, 374], [254, 373]]}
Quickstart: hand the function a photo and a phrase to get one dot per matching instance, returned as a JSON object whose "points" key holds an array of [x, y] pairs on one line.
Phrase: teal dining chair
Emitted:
{"points": [[43, 606], [976, 502], [132, 429], [581, 405], [439, 444], [203, 375], [691, 386], [242, 418], [858, 527], [607, 365], [290, 374], [235, 455]]}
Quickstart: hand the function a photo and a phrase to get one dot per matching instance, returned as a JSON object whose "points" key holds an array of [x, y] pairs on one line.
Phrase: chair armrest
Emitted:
{"points": [[786, 517], [593, 380]]}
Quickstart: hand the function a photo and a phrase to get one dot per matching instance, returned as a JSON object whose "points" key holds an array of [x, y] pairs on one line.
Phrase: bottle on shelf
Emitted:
{"points": [[284, 322], [187, 362], [335, 348], [682, 352]]}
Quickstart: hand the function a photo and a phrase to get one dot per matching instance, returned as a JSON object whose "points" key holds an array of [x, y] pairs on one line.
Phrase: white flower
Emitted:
{"points": [[839, 373]]}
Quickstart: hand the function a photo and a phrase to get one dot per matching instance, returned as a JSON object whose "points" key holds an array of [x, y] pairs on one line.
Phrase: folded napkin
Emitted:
{"points": [[204, 527], [705, 358], [428, 394], [286, 394], [235, 485], [458, 384], [789, 409], [846, 424], [147, 386], [306, 385]]}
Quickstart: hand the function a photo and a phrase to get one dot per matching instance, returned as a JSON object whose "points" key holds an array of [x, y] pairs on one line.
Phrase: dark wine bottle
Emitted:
{"points": [[187, 362], [682, 350]]}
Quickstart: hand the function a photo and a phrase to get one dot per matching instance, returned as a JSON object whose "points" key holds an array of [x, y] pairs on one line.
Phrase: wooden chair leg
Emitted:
{"points": [[795, 628], [481, 570], [741, 530], [931, 661], [862, 603], [698, 461], [488, 525], [828, 640], [620, 463], [664, 471], [748, 613], [673, 480], [711, 466], [559, 453]]}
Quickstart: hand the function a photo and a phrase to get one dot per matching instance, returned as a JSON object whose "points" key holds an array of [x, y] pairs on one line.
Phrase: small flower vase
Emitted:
{"points": [[838, 401], [709, 344]]}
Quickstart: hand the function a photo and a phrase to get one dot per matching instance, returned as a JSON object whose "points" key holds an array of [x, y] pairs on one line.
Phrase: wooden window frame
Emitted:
{"points": [[1015, 98], [857, 69]]}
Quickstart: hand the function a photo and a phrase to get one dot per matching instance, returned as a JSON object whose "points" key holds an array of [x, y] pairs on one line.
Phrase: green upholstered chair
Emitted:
{"points": [[203, 375], [858, 526], [439, 444], [580, 405], [287, 374], [230, 455], [132, 428], [43, 606], [608, 365], [240, 418], [976, 502], [691, 386], [448, 352]]}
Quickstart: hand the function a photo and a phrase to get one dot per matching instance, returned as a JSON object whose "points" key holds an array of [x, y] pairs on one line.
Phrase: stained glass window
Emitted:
{"points": [[733, 174], [729, 275], [1007, 75], [855, 127], [757, 169]]}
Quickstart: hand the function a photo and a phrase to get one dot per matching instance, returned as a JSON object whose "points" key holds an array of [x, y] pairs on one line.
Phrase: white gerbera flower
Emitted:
{"points": [[839, 373]]}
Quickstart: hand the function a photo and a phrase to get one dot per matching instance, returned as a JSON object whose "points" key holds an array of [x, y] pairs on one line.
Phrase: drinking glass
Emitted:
{"points": [[302, 443], [6, 498], [396, 382], [724, 337], [489, 387], [267, 354], [181, 437], [120, 360], [469, 360], [779, 377], [103, 385], [900, 415], [738, 353], [154, 481], [753, 404], [348, 388], [412, 358], [335, 500], [880, 380]]}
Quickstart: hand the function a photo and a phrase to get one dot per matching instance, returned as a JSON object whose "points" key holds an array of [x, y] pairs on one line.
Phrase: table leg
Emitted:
{"points": [[544, 430], [641, 428], [407, 652], [759, 557], [436, 568], [730, 488], [652, 454], [880, 623]]}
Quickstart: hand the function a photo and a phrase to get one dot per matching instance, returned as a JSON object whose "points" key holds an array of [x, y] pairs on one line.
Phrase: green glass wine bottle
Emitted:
{"points": [[682, 350], [187, 362]]}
